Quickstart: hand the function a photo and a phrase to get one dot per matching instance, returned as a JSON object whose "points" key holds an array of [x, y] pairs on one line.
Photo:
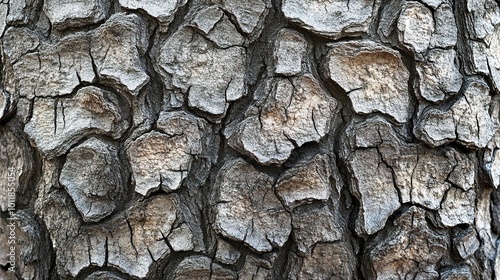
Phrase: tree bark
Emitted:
{"points": [[238, 139]]}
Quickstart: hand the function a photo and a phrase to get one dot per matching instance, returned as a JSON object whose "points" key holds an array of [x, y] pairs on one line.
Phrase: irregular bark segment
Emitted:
{"points": [[292, 112], [93, 178], [351, 18], [246, 208], [415, 37], [381, 161], [164, 11], [22, 11], [58, 214], [19, 41], [63, 14], [446, 32], [226, 253], [457, 273], [373, 76], [256, 268], [468, 121], [483, 16], [435, 135], [457, 208], [306, 183], [419, 27], [4, 247], [464, 172], [481, 19], [373, 185], [326, 261], [135, 244], [465, 242], [410, 249], [5, 251], [117, 49], [217, 28], [430, 34], [54, 70], [289, 52], [132, 242], [17, 168], [439, 76], [31, 254], [249, 14], [164, 159], [474, 106], [201, 267], [89, 248], [429, 175], [147, 155], [190, 63], [4, 8], [489, 53], [138, 241], [492, 166], [58, 124], [181, 239], [327, 226]]}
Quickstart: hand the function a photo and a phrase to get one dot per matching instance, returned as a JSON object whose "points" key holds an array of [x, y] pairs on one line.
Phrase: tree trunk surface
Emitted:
{"points": [[250, 139]]}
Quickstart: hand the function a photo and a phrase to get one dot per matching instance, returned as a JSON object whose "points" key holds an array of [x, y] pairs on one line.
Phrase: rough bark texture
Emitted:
{"points": [[250, 139]]}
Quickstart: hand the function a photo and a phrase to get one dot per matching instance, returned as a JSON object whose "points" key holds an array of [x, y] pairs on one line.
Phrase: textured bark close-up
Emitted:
{"points": [[249, 139]]}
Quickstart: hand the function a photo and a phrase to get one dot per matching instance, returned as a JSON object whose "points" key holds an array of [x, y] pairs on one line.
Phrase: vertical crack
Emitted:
{"points": [[132, 237], [55, 115]]}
